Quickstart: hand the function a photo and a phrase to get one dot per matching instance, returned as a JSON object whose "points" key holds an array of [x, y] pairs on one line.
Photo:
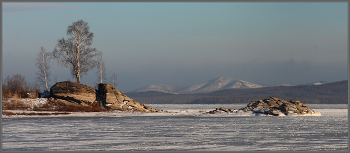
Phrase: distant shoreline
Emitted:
{"points": [[179, 112]]}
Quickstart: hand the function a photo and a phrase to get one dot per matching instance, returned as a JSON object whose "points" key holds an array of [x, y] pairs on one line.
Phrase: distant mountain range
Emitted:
{"points": [[312, 93], [219, 83], [212, 85], [313, 83], [160, 88]]}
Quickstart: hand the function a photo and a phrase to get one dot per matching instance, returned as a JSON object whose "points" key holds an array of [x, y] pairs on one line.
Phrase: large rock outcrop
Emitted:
{"points": [[272, 106], [114, 99], [77, 94], [72, 93]]}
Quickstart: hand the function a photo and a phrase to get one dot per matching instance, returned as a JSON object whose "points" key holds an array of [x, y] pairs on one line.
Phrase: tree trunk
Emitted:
{"points": [[44, 63], [101, 73], [78, 78]]}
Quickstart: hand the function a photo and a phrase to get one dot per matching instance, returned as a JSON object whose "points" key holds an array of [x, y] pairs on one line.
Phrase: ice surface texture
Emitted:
{"points": [[181, 133]]}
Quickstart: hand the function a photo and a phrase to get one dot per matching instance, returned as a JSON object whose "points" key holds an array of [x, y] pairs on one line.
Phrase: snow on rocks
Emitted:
{"points": [[35, 102]]}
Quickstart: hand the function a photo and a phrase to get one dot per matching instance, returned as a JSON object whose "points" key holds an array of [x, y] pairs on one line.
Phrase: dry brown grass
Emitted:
{"points": [[57, 106], [15, 104], [18, 86], [81, 109], [32, 113], [45, 107]]}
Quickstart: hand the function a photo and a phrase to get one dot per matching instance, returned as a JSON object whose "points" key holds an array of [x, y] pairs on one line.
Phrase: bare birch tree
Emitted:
{"points": [[75, 52], [42, 62], [101, 69], [112, 80], [56, 79]]}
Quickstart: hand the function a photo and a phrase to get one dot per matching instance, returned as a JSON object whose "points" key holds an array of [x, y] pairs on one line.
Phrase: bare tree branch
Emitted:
{"points": [[101, 69], [75, 52], [43, 75], [112, 80]]}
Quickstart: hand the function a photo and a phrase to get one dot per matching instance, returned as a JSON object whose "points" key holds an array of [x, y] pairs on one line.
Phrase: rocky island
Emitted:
{"points": [[271, 106], [70, 97], [68, 94]]}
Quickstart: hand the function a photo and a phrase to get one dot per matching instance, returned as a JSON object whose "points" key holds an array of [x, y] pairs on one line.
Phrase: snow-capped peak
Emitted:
{"points": [[316, 83], [218, 84], [212, 85]]}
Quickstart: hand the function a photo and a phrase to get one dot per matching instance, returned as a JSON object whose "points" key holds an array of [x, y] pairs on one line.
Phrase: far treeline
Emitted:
{"points": [[329, 93]]}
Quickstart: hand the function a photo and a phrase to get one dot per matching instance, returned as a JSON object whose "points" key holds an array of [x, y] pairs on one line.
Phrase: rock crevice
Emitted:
{"points": [[114, 99]]}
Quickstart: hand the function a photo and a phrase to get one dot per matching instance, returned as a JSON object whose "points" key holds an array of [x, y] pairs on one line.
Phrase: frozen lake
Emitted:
{"points": [[185, 132]]}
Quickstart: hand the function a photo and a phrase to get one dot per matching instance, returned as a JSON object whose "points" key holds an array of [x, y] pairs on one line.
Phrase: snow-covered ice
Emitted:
{"points": [[184, 128], [173, 110]]}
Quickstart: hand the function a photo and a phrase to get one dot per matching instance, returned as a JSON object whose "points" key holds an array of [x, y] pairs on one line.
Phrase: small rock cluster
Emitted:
{"points": [[77, 94], [222, 110], [272, 106]]}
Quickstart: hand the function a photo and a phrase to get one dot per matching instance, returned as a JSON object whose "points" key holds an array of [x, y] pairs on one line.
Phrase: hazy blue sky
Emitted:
{"points": [[186, 43]]}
